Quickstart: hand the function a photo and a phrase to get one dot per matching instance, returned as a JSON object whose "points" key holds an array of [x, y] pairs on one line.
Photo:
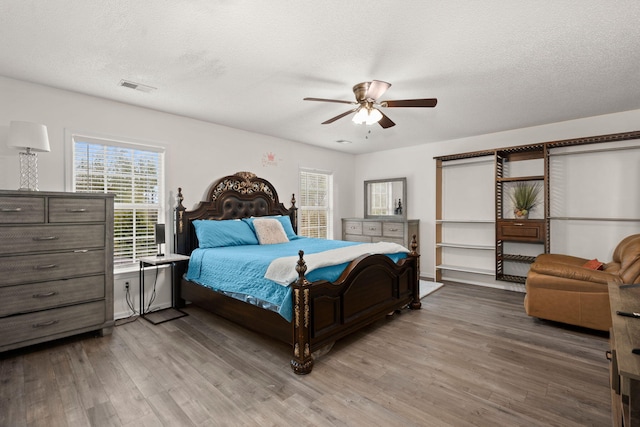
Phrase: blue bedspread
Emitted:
{"points": [[240, 270]]}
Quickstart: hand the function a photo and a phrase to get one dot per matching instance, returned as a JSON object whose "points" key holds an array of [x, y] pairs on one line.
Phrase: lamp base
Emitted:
{"points": [[28, 170]]}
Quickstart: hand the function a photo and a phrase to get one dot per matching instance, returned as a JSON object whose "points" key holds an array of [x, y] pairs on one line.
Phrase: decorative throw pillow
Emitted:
{"points": [[215, 234], [594, 264], [269, 231], [284, 220]]}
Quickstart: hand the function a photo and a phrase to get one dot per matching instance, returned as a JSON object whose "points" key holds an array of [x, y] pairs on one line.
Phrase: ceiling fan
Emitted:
{"points": [[368, 107]]}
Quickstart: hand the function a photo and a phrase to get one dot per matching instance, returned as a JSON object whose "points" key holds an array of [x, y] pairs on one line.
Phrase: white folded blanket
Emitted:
{"points": [[283, 270]]}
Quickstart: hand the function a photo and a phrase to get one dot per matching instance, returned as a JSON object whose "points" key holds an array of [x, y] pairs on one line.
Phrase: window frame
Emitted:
{"points": [[71, 138]]}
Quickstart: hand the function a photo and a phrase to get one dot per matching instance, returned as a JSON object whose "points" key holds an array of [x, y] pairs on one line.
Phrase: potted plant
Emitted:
{"points": [[524, 196]]}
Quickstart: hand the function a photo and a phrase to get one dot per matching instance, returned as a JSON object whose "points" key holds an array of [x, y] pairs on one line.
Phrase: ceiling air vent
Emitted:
{"points": [[137, 86]]}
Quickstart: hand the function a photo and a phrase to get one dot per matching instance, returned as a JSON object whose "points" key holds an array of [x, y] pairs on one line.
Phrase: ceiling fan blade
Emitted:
{"points": [[376, 89], [385, 121], [329, 100], [333, 119], [429, 102]]}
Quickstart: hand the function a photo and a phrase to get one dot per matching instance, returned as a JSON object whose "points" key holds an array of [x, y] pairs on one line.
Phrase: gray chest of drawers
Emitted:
{"points": [[380, 230], [56, 266]]}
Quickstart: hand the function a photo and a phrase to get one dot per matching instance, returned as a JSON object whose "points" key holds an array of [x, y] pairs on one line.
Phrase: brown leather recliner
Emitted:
{"points": [[561, 289]]}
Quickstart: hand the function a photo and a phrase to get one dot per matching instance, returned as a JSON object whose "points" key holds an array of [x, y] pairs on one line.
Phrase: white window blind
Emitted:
{"points": [[135, 175], [315, 204]]}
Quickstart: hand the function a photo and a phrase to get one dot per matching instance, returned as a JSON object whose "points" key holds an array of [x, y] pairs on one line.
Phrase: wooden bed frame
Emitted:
{"points": [[370, 287]]}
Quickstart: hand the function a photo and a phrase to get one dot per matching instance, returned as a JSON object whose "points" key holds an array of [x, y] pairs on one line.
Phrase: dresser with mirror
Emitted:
{"points": [[385, 218]]}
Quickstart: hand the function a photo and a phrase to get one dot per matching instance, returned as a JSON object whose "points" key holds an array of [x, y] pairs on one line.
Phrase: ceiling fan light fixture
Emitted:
{"points": [[367, 116], [367, 94], [374, 116], [360, 116]]}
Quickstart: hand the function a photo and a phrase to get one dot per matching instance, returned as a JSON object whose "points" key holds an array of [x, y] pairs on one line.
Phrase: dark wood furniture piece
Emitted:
{"points": [[516, 230], [56, 266], [625, 365], [531, 231], [369, 288]]}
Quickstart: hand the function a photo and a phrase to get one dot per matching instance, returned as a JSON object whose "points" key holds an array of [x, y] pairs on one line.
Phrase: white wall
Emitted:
{"points": [[197, 152], [418, 165]]}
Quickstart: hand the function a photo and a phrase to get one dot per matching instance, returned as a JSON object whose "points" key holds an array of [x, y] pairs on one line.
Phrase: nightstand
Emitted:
{"points": [[164, 315]]}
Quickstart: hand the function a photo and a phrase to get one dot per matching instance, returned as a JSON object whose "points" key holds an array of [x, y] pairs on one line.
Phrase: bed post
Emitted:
{"points": [[302, 362], [293, 213], [180, 247], [415, 304], [180, 244]]}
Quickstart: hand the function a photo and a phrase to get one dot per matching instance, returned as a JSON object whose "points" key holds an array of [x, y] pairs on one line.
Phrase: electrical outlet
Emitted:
{"points": [[126, 286]]}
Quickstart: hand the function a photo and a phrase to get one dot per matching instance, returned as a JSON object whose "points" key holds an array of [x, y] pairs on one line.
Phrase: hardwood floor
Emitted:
{"points": [[470, 356]]}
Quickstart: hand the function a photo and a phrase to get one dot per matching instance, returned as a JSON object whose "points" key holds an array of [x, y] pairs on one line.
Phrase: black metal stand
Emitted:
{"points": [[171, 313]]}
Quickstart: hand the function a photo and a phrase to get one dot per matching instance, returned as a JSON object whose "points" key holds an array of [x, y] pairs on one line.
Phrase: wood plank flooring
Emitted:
{"points": [[469, 357]]}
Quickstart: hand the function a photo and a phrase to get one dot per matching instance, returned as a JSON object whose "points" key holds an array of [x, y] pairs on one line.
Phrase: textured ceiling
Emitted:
{"points": [[493, 65]]}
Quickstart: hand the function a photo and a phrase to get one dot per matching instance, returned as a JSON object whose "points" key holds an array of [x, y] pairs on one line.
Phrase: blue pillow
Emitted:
{"points": [[284, 220], [215, 234]]}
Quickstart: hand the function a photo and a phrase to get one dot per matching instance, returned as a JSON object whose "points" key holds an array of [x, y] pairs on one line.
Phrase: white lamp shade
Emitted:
{"points": [[28, 135], [367, 116], [374, 116], [360, 116]]}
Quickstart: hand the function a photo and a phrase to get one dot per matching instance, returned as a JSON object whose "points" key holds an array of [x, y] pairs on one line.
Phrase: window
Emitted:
{"points": [[380, 198], [134, 173], [315, 204]]}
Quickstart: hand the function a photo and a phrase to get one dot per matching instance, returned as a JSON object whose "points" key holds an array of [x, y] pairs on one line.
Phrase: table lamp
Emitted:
{"points": [[159, 238], [33, 138]]}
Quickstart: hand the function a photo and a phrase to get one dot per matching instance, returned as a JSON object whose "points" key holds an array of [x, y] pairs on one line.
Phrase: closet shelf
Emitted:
{"points": [[518, 258], [465, 221], [520, 178], [577, 218], [511, 165], [464, 246], [466, 269], [513, 279]]}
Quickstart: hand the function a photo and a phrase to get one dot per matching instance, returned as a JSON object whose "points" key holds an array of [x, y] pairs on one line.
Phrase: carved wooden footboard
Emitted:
{"points": [[370, 287]]}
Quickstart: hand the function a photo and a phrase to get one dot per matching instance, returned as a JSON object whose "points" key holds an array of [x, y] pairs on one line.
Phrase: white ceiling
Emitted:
{"points": [[493, 65]]}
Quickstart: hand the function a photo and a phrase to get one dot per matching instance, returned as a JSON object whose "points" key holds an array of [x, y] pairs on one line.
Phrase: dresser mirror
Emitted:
{"points": [[385, 198]]}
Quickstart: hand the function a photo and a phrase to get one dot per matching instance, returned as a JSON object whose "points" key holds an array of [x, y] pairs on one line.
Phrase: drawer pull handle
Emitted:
{"points": [[372, 228], [519, 224], [45, 238], [77, 210], [81, 251], [45, 266], [42, 324], [11, 209], [394, 229], [45, 294]]}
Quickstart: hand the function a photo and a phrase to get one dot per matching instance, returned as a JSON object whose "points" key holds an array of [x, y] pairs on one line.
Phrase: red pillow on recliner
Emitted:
{"points": [[594, 264]]}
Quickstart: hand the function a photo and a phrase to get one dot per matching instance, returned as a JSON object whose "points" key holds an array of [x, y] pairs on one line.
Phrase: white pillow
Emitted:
{"points": [[269, 231]]}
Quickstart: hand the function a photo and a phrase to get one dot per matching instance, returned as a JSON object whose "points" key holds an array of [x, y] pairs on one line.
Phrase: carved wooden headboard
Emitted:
{"points": [[242, 195]]}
